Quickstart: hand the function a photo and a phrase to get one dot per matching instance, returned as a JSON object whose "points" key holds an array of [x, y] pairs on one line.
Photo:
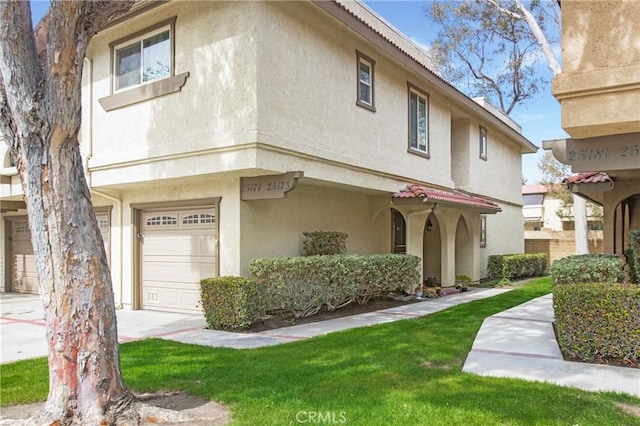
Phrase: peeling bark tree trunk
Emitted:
{"points": [[40, 118]]}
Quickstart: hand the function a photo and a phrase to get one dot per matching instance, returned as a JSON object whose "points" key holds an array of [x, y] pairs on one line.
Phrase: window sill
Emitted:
{"points": [[144, 92], [366, 106], [419, 153]]}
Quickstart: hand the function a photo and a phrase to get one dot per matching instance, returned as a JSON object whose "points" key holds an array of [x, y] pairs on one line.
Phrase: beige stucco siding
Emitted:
{"points": [[273, 228], [216, 108], [500, 175], [505, 234], [310, 61], [598, 87]]}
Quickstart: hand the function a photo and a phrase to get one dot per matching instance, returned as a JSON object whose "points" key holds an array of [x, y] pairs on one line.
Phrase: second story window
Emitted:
{"points": [[483, 143], [418, 121], [143, 58], [366, 75]]}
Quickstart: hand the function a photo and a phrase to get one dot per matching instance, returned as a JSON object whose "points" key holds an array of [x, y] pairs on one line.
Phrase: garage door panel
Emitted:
{"points": [[25, 274], [172, 271], [177, 245], [171, 299], [179, 248]]}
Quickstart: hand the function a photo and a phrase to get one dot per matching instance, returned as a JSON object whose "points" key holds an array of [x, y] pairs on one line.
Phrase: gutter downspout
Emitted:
{"points": [[118, 201]]}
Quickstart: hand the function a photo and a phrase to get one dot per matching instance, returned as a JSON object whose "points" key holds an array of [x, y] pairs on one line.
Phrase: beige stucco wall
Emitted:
{"points": [[500, 175], [273, 228], [310, 61], [183, 133], [599, 86], [505, 234]]}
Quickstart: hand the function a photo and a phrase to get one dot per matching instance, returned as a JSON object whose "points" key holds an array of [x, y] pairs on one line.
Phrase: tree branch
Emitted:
{"points": [[19, 66], [505, 11], [554, 66]]}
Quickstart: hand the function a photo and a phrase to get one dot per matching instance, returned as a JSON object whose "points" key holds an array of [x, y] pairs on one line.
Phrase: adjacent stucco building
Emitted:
{"points": [[217, 132], [599, 93]]}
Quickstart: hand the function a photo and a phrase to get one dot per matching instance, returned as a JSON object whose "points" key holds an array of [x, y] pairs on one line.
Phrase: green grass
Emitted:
{"points": [[402, 373]]}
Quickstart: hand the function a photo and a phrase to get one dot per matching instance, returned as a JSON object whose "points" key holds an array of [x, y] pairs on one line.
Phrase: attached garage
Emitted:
{"points": [[178, 249], [23, 275]]}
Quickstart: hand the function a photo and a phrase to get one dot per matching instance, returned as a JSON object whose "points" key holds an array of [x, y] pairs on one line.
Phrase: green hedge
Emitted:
{"points": [[597, 320], [301, 286], [588, 268], [509, 266], [633, 256], [324, 243], [232, 303]]}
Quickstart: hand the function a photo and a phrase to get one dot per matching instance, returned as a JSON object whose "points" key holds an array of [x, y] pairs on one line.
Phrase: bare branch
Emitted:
{"points": [[505, 11], [554, 66], [19, 64]]}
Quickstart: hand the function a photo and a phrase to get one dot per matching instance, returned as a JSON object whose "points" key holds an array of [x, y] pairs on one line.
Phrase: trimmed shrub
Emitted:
{"points": [[324, 243], [632, 256], [509, 266], [588, 268], [232, 303], [301, 286], [597, 320]]}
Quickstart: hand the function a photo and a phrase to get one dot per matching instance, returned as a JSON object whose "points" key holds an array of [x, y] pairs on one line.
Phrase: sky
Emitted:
{"points": [[539, 118]]}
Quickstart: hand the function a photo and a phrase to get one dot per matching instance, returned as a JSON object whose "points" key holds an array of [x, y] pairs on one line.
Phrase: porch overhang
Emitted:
{"points": [[589, 185], [418, 195]]}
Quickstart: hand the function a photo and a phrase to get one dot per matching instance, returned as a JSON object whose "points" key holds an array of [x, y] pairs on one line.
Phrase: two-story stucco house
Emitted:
{"points": [[218, 132]]}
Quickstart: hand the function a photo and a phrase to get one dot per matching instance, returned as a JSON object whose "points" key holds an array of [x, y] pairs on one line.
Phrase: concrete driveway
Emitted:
{"points": [[22, 329]]}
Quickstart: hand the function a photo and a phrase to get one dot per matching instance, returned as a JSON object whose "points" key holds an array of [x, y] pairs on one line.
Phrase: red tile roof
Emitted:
{"points": [[448, 197], [588, 177]]}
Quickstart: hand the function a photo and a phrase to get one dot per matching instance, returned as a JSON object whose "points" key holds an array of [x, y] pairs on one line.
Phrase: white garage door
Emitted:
{"points": [[24, 273], [178, 250]]}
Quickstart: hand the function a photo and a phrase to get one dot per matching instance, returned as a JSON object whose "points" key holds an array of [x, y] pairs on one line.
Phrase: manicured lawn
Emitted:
{"points": [[403, 373]]}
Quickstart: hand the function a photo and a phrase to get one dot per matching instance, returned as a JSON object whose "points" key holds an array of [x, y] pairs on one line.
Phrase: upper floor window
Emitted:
{"points": [[418, 121], [366, 76], [144, 57], [483, 143]]}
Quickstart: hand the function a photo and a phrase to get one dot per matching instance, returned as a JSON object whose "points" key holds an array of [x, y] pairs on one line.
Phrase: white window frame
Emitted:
{"points": [[139, 37], [369, 104], [484, 142], [483, 231], [420, 95]]}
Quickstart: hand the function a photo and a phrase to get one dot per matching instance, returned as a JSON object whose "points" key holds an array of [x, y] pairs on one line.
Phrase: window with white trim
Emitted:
{"points": [[418, 121], [366, 87], [483, 143], [144, 58], [162, 220], [483, 231]]}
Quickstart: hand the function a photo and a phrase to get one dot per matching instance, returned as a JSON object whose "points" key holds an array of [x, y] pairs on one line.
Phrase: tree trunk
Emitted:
{"points": [[40, 118]]}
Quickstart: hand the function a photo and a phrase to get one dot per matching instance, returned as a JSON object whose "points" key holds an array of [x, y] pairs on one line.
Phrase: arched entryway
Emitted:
{"points": [[432, 248], [464, 248], [626, 216]]}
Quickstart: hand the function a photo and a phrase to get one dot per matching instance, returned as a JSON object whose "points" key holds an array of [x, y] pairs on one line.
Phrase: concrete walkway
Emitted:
{"points": [[519, 342]]}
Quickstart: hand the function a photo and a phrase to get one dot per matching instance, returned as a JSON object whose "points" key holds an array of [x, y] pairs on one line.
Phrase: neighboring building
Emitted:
{"points": [[549, 226], [215, 133], [599, 93]]}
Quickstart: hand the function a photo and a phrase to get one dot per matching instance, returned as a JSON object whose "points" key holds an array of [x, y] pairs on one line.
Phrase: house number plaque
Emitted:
{"points": [[268, 187]]}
